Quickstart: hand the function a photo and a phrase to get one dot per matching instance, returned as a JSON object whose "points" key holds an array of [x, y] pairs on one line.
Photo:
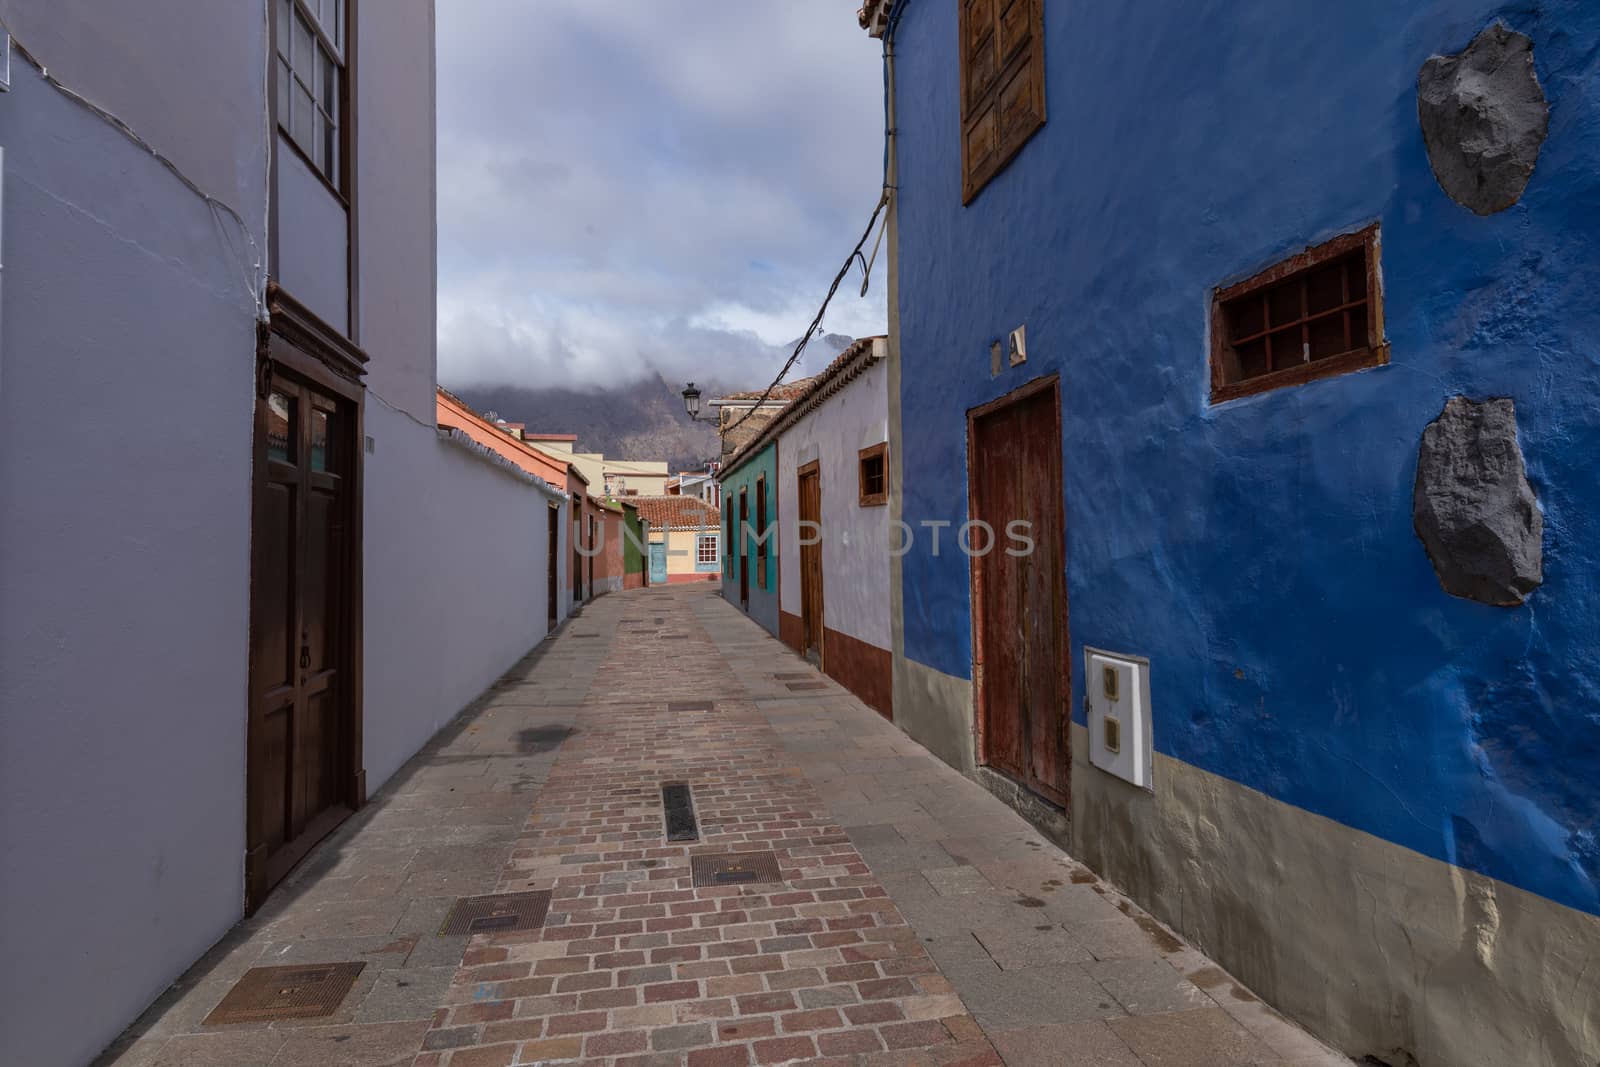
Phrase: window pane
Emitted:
{"points": [[1327, 336], [336, 28], [1288, 348], [283, 26], [1285, 305], [1252, 361], [330, 150], [330, 86], [320, 455], [305, 50], [280, 427], [1325, 288], [285, 79], [1244, 317], [301, 128], [317, 149]]}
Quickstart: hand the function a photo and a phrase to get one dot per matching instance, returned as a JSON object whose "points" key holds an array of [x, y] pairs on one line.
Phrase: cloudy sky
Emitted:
{"points": [[665, 184]]}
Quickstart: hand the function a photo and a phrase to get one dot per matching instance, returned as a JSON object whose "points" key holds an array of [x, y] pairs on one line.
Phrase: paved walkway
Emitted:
{"points": [[919, 922]]}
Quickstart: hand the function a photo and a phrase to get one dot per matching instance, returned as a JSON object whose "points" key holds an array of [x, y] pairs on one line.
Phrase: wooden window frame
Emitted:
{"points": [[1374, 353], [1025, 58], [700, 541], [727, 552], [336, 46], [879, 452]]}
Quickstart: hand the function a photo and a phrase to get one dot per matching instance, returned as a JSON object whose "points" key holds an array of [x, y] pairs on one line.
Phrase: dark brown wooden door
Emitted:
{"points": [[301, 727], [553, 611], [740, 540], [1019, 600], [810, 515]]}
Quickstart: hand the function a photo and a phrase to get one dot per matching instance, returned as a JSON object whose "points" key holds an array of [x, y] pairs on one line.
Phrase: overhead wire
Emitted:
{"points": [[895, 10]]}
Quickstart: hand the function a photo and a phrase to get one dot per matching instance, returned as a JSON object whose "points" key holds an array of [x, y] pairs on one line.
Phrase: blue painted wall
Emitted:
{"points": [[763, 595], [1262, 552]]}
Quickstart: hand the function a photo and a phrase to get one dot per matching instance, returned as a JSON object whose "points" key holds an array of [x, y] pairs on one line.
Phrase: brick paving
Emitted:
{"points": [[919, 921]]}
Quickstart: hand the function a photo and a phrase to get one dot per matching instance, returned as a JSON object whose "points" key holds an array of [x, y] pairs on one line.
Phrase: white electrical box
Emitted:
{"points": [[1117, 694]]}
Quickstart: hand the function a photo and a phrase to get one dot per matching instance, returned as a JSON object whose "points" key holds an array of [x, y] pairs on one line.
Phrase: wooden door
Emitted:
{"points": [[658, 563], [577, 553], [553, 564], [740, 540], [810, 543], [302, 730], [1020, 662]]}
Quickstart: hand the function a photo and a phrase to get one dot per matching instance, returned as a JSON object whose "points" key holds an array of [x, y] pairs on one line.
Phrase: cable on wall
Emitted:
{"points": [[255, 278]]}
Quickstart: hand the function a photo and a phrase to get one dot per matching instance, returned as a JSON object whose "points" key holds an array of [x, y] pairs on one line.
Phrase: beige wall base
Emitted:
{"points": [[1375, 948], [936, 710]]}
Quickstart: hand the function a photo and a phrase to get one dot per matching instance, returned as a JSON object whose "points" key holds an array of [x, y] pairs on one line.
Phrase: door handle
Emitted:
{"points": [[305, 657]]}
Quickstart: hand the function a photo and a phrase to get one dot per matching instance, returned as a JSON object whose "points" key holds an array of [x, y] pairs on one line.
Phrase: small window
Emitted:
{"points": [[706, 548], [1002, 85], [310, 42], [1314, 316], [874, 490]]}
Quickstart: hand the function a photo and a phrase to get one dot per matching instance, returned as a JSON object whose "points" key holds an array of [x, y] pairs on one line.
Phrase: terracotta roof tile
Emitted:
{"points": [[678, 512]]}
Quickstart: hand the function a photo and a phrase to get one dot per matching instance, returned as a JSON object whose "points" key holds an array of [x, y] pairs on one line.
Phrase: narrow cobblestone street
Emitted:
{"points": [[918, 920]]}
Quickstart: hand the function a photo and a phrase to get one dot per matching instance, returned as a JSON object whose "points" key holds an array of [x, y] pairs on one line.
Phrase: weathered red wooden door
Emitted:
{"points": [[300, 729], [810, 514], [1019, 594]]}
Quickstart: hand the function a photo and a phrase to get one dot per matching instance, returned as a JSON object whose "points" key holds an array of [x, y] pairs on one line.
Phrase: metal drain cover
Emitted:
{"points": [[497, 913], [679, 807], [267, 994], [736, 868], [688, 705], [800, 677], [806, 687]]}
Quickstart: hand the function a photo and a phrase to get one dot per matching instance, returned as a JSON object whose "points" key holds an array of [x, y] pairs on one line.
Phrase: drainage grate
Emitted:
{"points": [[498, 913], [806, 687], [688, 705], [267, 994], [800, 677], [679, 806], [736, 868]]}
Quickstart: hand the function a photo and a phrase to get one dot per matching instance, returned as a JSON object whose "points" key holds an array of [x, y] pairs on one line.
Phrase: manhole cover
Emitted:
{"points": [[688, 705], [679, 807], [737, 868], [267, 994], [806, 687], [498, 913]]}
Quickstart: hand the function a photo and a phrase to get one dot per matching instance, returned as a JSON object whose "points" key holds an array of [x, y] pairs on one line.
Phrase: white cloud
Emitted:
{"points": [[652, 186]]}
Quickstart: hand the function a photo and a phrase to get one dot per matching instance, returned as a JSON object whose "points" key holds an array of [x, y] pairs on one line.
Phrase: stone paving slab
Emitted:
{"points": [[1054, 964], [377, 889], [920, 922]]}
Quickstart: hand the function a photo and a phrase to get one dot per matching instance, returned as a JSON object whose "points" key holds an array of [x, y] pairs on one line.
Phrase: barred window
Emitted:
{"points": [[1316, 315]]}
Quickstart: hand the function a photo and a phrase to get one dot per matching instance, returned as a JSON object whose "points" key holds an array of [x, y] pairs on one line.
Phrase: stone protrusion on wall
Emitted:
{"points": [[1473, 507], [1484, 119]]}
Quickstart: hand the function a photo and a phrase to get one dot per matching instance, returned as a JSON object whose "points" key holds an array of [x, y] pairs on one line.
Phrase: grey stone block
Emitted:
{"points": [[1472, 505], [1484, 118]]}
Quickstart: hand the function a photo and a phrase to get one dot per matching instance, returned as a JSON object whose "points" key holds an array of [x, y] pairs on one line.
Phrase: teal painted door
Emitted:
{"points": [[658, 564]]}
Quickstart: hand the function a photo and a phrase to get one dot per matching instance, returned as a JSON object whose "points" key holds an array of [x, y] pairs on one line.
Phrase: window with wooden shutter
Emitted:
{"points": [[1002, 85]]}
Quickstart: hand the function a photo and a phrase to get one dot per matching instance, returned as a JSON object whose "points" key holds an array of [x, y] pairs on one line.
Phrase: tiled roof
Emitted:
{"points": [[678, 512], [815, 390], [785, 391]]}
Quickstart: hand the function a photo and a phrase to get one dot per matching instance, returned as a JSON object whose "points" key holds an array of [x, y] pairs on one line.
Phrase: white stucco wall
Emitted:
{"points": [[455, 571], [127, 342], [855, 559]]}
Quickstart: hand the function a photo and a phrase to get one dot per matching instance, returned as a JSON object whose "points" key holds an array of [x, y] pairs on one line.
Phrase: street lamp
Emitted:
{"points": [[691, 401]]}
